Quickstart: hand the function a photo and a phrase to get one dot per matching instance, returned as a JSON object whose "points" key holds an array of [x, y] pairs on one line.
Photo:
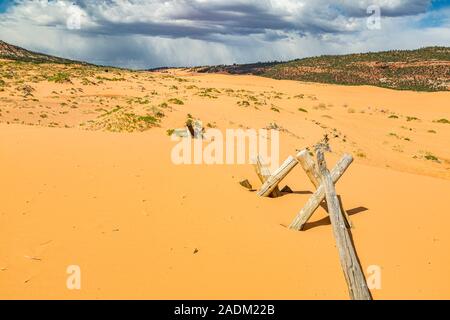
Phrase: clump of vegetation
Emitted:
{"points": [[209, 93], [432, 131], [26, 90], [120, 119], [431, 157], [393, 116], [393, 134], [409, 119], [243, 103], [176, 101], [101, 78], [170, 132], [275, 109], [302, 110], [87, 82], [320, 106], [138, 100], [60, 77], [443, 120], [361, 154]]}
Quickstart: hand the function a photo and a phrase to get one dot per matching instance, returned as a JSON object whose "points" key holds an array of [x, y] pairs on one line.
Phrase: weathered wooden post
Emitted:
{"points": [[314, 201], [274, 180], [307, 162], [347, 254], [263, 172]]}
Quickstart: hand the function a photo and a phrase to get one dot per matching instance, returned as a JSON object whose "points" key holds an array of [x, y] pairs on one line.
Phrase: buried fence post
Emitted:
{"points": [[314, 202], [263, 172], [354, 276], [307, 162], [274, 180]]}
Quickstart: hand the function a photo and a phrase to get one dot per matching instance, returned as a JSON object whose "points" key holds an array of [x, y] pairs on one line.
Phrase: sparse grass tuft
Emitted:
{"points": [[243, 103], [361, 154], [431, 157], [409, 119], [60, 77], [176, 101]]}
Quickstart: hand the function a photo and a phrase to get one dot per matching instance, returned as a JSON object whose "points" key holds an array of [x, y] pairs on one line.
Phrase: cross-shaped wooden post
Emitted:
{"points": [[263, 172], [306, 161], [324, 181], [272, 182], [316, 199]]}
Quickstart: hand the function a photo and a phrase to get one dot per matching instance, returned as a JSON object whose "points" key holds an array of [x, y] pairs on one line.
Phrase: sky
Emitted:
{"points": [[142, 34]]}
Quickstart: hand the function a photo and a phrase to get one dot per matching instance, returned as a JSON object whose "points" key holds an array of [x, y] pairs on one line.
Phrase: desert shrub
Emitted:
{"points": [[60, 77], [431, 157], [275, 109], [243, 103], [320, 106], [443, 121], [302, 110], [122, 120], [361, 154], [392, 134], [176, 101], [109, 79]]}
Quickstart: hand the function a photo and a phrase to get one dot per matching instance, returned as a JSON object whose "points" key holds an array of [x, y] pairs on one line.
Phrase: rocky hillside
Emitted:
{"points": [[11, 52], [426, 69]]}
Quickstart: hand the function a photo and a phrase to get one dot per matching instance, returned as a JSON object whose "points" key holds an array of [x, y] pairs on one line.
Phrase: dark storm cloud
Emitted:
{"points": [[199, 19], [151, 33]]}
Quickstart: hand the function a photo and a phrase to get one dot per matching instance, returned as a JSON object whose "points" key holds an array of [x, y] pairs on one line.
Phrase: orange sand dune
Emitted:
{"points": [[116, 206], [141, 227]]}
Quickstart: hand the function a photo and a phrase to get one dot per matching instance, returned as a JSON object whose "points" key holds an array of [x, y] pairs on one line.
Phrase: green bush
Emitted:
{"points": [[60, 77]]}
